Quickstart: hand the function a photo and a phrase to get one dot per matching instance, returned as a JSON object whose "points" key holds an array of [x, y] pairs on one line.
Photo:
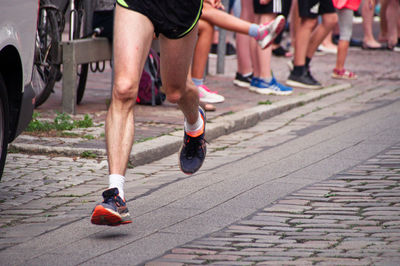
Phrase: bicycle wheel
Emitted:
{"points": [[46, 65], [82, 28]]}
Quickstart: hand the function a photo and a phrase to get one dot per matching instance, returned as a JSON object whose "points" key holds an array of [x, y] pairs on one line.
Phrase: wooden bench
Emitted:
{"points": [[78, 52]]}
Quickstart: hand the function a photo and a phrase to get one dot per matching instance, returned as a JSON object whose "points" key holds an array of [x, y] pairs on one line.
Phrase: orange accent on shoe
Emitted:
{"points": [[103, 216]]}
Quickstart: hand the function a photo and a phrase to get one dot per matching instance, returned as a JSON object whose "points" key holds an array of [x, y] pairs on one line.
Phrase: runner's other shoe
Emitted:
{"points": [[242, 81], [208, 96], [194, 149], [269, 31], [112, 211], [305, 81], [273, 87]]}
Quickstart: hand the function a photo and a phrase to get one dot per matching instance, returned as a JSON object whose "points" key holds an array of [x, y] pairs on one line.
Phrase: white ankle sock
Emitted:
{"points": [[195, 127], [117, 181]]}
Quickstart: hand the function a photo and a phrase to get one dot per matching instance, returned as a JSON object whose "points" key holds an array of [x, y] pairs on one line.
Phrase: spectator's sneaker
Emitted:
{"points": [[112, 211], [272, 87], [268, 31], [242, 81], [208, 96], [194, 149], [305, 81], [254, 84]]}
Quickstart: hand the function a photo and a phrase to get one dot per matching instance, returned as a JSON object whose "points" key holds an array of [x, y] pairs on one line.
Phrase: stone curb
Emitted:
{"points": [[160, 147]]}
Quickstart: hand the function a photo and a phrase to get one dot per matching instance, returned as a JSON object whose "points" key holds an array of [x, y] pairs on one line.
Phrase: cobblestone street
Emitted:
{"points": [[350, 219]]}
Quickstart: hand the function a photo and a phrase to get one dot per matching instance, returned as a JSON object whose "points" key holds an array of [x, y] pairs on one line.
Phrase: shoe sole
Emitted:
{"points": [[272, 92], [103, 216], [253, 89], [205, 100], [277, 26], [343, 77], [241, 84], [296, 84]]}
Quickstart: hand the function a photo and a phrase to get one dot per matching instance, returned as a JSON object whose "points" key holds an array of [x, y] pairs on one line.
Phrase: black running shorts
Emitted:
{"points": [[273, 7], [172, 18], [313, 8]]}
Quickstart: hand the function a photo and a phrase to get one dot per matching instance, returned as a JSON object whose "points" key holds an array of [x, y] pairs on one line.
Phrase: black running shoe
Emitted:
{"points": [[305, 81], [193, 151], [112, 211], [242, 81]]}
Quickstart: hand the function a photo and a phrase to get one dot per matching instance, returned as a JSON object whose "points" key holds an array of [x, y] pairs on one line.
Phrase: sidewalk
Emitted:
{"points": [[158, 129]]}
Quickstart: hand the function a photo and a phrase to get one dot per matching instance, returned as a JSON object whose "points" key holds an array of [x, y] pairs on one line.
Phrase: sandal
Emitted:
{"points": [[343, 74]]}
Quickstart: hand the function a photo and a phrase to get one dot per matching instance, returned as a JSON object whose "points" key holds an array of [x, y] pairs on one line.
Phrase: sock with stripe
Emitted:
{"points": [[196, 129]]}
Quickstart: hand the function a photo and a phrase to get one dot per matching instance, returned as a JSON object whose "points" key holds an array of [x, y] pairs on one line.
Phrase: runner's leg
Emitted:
{"points": [[176, 56], [133, 34]]}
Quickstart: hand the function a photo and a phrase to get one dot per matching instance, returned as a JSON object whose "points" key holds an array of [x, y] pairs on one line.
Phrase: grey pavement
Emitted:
{"points": [[309, 179]]}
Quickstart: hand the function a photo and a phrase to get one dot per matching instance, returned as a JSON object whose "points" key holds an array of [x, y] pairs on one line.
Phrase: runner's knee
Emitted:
{"points": [[175, 92], [125, 90], [174, 97]]}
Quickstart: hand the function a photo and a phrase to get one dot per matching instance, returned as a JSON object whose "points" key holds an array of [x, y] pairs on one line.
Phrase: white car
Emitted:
{"points": [[18, 22]]}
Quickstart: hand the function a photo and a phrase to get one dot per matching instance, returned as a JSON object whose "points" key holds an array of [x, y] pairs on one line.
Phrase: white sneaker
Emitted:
{"points": [[268, 31], [324, 49], [208, 96]]}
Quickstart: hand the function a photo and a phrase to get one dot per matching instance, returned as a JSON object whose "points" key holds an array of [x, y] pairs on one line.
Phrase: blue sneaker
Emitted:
{"points": [[272, 87], [254, 84]]}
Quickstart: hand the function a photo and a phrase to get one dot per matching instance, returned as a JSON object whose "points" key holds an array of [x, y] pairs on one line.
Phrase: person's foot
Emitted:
{"points": [[112, 211], [268, 31], [242, 81], [372, 45], [194, 149], [272, 87], [208, 96], [280, 51], [328, 49], [305, 81], [343, 74]]}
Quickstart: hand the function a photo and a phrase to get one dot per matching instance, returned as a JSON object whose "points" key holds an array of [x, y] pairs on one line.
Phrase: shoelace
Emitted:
{"points": [[192, 146], [118, 201]]}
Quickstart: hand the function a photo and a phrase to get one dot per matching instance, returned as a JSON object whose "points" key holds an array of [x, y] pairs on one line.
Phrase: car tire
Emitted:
{"points": [[4, 124]]}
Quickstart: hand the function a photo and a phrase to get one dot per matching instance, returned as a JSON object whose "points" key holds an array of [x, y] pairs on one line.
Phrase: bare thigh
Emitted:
{"points": [[176, 56], [133, 33]]}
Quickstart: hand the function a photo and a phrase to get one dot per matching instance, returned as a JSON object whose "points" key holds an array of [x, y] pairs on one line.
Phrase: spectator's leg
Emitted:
{"points": [[392, 15], [264, 55], [224, 20], [345, 25], [383, 21], [367, 13], [303, 34], [202, 49], [245, 54], [329, 21]]}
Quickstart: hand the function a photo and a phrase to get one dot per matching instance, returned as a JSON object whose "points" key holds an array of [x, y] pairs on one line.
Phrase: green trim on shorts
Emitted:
{"points": [[122, 3], [195, 21]]}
